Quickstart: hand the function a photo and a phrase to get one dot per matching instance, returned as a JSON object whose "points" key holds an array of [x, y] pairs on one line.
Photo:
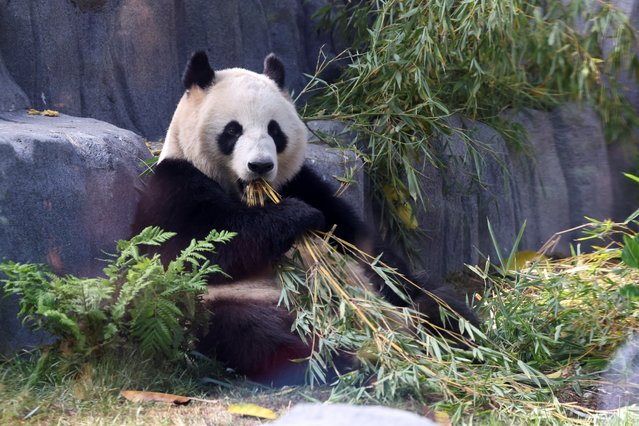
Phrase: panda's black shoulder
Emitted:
{"points": [[309, 186], [172, 192], [177, 171], [177, 177], [304, 182]]}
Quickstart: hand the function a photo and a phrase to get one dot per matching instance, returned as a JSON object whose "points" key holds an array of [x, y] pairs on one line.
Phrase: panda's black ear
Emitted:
{"points": [[198, 71], [274, 69]]}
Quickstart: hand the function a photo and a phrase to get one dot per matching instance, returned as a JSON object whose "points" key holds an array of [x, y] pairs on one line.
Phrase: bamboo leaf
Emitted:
{"points": [[252, 410]]}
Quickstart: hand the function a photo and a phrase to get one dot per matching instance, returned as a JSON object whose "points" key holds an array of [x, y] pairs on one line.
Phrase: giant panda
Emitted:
{"points": [[230, 127]]}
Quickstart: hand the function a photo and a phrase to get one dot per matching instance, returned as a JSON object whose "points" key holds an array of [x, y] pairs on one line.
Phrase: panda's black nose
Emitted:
{"points": [[261, 167]]}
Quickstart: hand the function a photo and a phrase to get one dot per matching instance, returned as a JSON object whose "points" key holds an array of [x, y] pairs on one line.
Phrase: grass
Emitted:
{"points": [[60, 391]]}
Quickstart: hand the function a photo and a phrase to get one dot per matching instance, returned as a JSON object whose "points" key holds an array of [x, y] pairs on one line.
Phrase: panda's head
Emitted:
{"points": [[236, 125]]}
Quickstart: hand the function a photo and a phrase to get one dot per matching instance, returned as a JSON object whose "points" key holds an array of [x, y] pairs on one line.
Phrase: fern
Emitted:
{"points": [[155, 324], [138, 302], [128, 251]]}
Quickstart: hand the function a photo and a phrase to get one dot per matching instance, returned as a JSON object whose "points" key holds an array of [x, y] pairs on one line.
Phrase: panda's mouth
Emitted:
{"points": [[254, 195], [242, 183]]}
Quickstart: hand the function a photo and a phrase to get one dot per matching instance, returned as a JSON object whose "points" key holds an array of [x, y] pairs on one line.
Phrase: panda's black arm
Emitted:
{"points": [[309, 187], [180, 198]]}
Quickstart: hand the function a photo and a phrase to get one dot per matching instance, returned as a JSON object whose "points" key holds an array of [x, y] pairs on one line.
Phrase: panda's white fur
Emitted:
{"points": [[252, 99]]}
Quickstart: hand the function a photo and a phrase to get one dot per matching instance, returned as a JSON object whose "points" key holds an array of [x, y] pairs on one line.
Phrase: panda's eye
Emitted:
{"points": [[233, 128], [229, 136], [275, 131]]}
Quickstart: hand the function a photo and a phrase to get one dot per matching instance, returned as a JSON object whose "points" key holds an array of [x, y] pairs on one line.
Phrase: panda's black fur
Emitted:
{"points": [[248, 331]]}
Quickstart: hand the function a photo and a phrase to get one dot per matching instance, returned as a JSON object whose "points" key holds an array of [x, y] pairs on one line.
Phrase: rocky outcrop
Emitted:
{"points": [[66, 196], [631, 9], [340, 168], [120, 60]]}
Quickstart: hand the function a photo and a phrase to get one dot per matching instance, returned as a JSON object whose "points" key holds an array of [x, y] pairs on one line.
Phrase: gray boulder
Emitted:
{"points": [[620, 386], [66, 196], [565, 176], [349, 415], [628, 81], [120, 60]]}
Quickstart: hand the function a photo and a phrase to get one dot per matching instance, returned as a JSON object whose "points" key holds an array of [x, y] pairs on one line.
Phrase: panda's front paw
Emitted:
{"points": [[305, 216]]}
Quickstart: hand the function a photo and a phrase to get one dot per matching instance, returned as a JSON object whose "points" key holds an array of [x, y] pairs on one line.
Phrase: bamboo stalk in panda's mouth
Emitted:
{"points": [[258, 191]]}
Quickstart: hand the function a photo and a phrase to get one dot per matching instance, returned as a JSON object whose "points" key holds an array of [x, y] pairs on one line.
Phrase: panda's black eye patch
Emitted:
{"points": [[229, 136], [278, 136]]}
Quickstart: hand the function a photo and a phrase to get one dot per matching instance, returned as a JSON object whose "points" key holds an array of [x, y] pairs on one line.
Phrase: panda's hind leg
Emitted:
{"points": [[255, 339], [427, 297], [431, 298]]}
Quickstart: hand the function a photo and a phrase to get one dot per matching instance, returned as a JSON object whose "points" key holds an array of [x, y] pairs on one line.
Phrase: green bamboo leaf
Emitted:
{"points": [[630, 252], [630, 292]]}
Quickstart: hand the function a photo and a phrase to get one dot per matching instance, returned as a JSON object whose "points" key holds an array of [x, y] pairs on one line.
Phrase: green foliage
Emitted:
{"points": [[630, 257], [139, 300], [548, 330], [630, 291], [416, 63], [632, 177], [338, 312], [630, 253]]}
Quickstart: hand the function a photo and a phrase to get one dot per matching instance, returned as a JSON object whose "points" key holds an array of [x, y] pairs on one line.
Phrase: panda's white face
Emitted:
{"points": [[239, 128]]}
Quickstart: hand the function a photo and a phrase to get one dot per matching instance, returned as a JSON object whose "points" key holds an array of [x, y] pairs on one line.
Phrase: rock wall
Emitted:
{"points": [[566, 173], [12, 97], [120, 60], [631, 9]]}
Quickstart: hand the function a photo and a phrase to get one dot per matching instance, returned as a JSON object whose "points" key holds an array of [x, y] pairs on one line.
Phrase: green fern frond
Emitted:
{"points": [[140, 301], [129, 249], [193, 254], [155, 325]]}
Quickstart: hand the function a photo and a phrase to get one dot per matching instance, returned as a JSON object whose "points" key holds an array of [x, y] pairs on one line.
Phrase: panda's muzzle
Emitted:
{"points": [[260, 168]]}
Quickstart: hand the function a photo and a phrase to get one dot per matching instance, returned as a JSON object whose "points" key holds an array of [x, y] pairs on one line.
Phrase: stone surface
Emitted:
{"points": [[12, 97], [349, 415], [121, 60], [340, 168], [631, 9], [621, 378], [66, 196]]}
